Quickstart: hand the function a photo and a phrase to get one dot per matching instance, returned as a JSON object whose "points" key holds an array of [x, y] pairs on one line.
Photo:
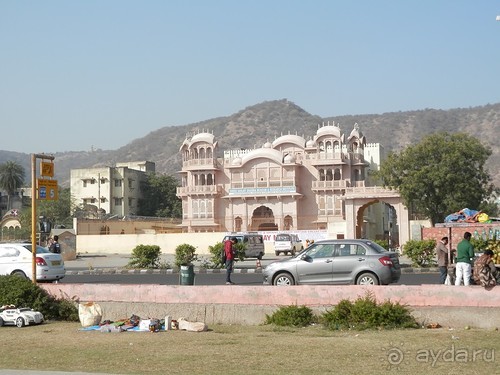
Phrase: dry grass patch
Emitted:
{"points": [[250, 350]]}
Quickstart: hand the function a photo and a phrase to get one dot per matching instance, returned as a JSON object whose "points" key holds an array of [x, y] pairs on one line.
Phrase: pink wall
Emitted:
{"points": [[321, 295]]}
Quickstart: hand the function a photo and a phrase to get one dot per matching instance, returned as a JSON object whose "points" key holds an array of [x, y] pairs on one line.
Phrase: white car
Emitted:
{"points": [[17, 259], [287, 244], [20, 317]]}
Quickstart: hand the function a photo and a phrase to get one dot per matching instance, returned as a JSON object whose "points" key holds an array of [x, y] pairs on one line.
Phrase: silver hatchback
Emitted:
{"points": [[361, 262]]}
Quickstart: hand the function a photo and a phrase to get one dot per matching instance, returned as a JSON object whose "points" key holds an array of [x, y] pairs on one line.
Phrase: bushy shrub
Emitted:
{"points": [[365, 313], [216, 253], [383, 243], [145, 256], [185, 254], [22, 292], [291, 316], [421, 252]]}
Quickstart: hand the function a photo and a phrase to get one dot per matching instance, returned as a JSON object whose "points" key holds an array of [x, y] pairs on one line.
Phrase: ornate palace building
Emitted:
{"points": [[289, 184]]}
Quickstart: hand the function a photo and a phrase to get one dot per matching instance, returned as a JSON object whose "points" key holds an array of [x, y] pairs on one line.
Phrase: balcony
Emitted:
{"points": [[326, 158], [199, 190], [194, 164], [329, 185]]}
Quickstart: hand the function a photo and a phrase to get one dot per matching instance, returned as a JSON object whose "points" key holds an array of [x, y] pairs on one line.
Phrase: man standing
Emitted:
{"points": [[230, 255], [55, 247], [442, 255], [465, 254]]}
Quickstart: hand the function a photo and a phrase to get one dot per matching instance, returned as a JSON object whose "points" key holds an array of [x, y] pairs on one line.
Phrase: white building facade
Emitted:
{"points": [[288, 185], [110, 190]]}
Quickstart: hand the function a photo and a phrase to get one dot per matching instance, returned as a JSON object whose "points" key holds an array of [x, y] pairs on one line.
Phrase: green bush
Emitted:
{"points": [[365, 313], [216, 253], [22, 292], [291, 316], [240, 248], [185, 254], [145, 256], [421, 253]]}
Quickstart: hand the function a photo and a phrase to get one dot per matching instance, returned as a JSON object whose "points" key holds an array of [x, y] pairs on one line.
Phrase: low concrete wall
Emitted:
{"points": [[446, 305]]}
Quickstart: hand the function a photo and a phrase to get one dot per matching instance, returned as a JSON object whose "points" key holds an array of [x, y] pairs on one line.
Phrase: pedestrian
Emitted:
{"points": [[442, 256], [485, 272], [55, 247], [230, 252], [465, 254]]}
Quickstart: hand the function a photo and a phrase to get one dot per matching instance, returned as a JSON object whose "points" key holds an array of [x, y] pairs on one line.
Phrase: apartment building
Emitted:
{"points": [[110, 190]]}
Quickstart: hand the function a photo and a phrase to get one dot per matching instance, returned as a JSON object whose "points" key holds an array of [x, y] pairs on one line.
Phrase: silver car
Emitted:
{"points": [[17, 259], [361, 262]]}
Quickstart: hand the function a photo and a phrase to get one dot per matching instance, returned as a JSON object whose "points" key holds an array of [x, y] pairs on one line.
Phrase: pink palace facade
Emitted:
{"points": [[291, 184]]}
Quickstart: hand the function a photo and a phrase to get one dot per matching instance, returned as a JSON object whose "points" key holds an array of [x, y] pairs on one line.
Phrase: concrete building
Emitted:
{"points": [[288, 185], [110, 190]]}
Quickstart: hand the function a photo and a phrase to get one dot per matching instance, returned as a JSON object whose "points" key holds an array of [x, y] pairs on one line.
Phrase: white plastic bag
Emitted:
{"points": [[90, 314]]}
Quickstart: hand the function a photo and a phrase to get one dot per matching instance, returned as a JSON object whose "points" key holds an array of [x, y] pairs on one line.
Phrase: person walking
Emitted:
{"points": [[230, 256], [442, 256], [465, 254]]}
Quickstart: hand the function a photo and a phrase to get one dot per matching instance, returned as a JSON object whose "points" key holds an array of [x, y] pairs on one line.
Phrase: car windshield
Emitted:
{"points": [[39, 249], [375, 246], [282, 237]]}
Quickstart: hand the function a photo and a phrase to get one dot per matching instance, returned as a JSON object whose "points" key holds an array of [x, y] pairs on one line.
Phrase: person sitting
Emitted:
{"points": [[485, 272]]}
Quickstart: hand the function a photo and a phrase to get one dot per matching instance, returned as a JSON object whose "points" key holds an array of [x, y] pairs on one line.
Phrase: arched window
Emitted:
{"points": [[336, 174], [322, 175], [329, 175]]}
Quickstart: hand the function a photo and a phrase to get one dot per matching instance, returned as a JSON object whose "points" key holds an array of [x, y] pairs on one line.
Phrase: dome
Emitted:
{"points": [[289, 159], [203, 137], [310, 144], [331, 130], [268, 145], [296, 140]]}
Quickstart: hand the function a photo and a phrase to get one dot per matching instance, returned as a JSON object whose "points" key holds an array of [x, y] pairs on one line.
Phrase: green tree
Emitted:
{"points": [[12, 176], [58, 212], [159, 197], [440, 175]]}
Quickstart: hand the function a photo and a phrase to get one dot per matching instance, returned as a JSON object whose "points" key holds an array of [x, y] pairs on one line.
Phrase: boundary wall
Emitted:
{"points": [[449, 306]]}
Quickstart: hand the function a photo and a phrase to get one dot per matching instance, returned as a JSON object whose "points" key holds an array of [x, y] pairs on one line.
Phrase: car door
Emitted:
{"points": [[10, 260], [349, 258], [315, 265]]}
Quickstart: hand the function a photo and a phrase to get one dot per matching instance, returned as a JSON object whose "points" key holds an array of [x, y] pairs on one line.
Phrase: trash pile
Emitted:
{"points": [[90, 315], [466, 215]]}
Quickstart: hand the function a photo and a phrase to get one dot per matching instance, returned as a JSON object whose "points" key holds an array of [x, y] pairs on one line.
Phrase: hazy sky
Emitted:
{"points": [[101, 73]]}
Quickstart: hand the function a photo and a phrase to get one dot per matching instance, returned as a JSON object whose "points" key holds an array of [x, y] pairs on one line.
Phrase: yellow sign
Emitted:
{"points": [[47, 189], [47, 169]]}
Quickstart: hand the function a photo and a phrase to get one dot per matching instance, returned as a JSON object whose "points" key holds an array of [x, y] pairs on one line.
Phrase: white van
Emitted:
{"points": [[254, 244], [287, 244]]}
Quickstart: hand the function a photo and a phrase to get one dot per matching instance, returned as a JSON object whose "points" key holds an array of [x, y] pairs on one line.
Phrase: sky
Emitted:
{"points": [[97, 74]]}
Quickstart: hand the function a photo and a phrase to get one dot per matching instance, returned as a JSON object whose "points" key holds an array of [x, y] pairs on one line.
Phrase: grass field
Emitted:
{"points": [[251, 350]]}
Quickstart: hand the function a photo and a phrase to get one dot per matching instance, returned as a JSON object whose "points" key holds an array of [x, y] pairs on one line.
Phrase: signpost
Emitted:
{"points": [[41, 188]]}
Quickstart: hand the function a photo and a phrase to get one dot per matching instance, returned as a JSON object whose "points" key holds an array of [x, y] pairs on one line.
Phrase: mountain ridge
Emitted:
{"points": [[256, 124]]}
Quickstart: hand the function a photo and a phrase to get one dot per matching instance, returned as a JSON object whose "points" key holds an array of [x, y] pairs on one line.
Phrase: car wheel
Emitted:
{"points": [[367, 279], [1, 322], [277, 253], [20, 322], [283, 279], [20, 274], [293, 252]]}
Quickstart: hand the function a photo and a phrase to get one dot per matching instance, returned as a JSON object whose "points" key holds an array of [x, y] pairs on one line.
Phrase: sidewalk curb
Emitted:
{"points": [[126, 271]]}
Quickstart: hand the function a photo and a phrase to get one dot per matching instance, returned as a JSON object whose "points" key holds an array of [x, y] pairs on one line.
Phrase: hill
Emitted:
{"points": [[254, 125]]}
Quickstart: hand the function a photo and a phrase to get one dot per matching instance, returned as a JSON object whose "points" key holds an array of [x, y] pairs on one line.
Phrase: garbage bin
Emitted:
{"points": [[187, 275]]}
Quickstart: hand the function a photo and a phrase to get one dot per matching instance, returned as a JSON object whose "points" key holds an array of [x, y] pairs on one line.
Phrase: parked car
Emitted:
{"points": [[17, 259], [20, 317], [254, 243], [287, 244], [361, 262]]}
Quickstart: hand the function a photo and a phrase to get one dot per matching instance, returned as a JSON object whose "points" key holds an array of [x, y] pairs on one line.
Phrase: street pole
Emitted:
{"points": [[33, 209]]}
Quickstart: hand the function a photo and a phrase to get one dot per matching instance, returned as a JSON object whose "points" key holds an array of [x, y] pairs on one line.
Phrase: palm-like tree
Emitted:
{"points": [[11, 178]]}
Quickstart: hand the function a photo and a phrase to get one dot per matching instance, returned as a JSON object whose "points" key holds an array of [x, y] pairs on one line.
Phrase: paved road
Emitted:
{"points": [[212, 279]]}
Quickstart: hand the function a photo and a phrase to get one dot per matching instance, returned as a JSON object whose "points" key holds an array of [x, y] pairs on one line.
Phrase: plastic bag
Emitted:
{"points": [[90, 314]]}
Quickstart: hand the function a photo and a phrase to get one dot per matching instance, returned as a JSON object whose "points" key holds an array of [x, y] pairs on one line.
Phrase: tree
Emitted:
{"points": [[12, 177], [159, 197], [440, 175], [58, 212]]}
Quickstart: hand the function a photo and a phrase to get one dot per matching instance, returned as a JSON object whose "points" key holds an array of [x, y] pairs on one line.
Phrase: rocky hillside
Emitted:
{"points": [[254, 125]]}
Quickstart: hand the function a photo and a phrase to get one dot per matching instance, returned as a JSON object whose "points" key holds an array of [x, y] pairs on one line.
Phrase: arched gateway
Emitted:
{"points": [[356, 199]]}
